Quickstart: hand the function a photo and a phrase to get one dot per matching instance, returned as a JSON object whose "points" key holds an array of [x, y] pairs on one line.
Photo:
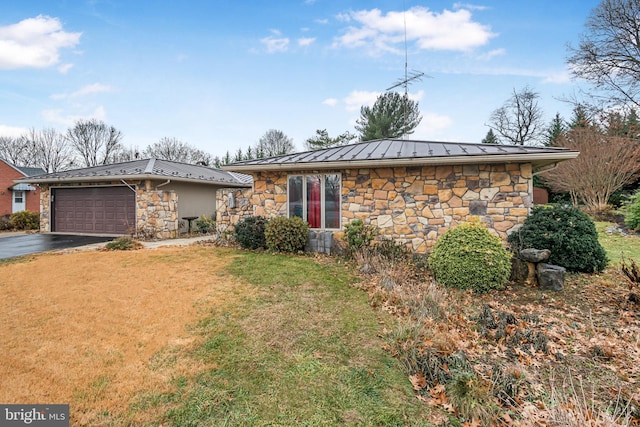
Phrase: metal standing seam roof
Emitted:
{"points": [[146, 169], [398, 152]]}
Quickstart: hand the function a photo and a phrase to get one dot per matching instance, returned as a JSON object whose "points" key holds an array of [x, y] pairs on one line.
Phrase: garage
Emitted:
{"points": [[106, 210]]}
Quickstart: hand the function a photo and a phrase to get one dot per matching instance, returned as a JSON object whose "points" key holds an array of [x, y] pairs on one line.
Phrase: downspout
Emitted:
{"points": [[163, 184], [135, 207], [546, 168]]}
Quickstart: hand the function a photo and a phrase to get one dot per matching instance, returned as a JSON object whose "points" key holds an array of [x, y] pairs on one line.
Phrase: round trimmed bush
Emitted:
{"points": [[470, 257], [632, 212], [25, 220], [249, 232], [286, 234], [567, 232]]}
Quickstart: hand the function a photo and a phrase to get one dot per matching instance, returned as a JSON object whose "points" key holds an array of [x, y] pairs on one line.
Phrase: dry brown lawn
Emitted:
{"points": [[85, 328]]}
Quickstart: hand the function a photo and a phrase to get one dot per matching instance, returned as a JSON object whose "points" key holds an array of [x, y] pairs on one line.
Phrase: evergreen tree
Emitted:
{"points": [[490, 138], [323, 140], [556, 129], [392, 116]]}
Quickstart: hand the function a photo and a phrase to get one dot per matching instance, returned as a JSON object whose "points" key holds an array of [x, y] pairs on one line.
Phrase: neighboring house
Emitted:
{"points": [[17, 197], [151, 198], [411, 191]]}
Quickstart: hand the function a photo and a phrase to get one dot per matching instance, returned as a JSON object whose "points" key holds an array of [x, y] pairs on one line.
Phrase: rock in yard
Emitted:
{"points": [[535, 255], [550, 277]]}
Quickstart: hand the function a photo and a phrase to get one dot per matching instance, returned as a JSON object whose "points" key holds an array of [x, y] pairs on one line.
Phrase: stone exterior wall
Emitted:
{"points": [[226, 215], [156, 213], [414, 205]]}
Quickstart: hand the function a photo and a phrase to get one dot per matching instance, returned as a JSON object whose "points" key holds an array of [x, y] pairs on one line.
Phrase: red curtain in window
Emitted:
{"points": [[313, 202]]}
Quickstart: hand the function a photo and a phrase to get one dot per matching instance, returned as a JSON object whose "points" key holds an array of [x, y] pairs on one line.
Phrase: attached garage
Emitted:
{"points": [[104, 210], [148, 198]]}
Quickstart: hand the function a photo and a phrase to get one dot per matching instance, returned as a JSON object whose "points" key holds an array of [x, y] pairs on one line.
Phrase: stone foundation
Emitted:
{"points": [[226, 215]]}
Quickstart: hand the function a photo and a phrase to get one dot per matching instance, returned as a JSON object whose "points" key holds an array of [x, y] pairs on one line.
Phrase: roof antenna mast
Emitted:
{"points": [[414, 76]]}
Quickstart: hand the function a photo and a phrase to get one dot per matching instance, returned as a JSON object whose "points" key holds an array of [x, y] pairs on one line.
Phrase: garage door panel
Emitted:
{"points": [[94, 210]]}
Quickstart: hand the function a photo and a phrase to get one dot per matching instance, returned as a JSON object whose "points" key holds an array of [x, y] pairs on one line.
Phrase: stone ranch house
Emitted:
{"points": [[411, 191], [148, 198]]}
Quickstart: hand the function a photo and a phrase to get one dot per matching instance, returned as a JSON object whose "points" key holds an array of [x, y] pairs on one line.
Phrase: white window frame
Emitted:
{"points": [[322, 198]]}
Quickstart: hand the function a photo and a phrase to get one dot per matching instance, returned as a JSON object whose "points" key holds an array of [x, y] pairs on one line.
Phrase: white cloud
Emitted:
{"points": [[64, 68], [468, 6], [275, 43], [12, 131], [322, 21], [358, 98], [429, 30], [56, 116], [431, 126], [560, 77], [83, 91], [306, 41], [331, 102], [487, 56], [34, 43]]}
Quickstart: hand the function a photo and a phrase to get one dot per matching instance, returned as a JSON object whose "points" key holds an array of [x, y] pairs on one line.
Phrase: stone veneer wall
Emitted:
{"points": [[156, 210], [227, 216], [157, 213], [414, 205]]}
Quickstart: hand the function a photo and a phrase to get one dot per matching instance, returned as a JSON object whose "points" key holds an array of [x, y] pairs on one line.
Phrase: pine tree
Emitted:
{"points": [[490, 138]]}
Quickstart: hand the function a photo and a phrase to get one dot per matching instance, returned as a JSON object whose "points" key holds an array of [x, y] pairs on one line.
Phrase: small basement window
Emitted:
{"points": [[316, 199]]}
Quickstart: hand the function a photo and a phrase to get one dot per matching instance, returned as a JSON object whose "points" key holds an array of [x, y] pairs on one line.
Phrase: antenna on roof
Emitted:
{"points": [[414, 76]]}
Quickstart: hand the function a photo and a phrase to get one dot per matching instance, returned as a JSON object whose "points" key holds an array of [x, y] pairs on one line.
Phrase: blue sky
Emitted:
{"points": [[219, 74]]}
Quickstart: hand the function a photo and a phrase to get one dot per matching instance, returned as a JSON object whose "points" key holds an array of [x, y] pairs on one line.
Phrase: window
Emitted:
{"points": [[316, 199], [18, 196]]}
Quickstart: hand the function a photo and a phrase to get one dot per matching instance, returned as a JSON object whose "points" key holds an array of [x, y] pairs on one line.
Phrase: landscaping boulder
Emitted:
{"points": [[550, 277], [535, 255]]}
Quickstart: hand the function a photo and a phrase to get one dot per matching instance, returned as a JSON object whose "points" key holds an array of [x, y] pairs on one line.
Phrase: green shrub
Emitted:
{"points": [[286, 234], [567, 232], [205, 225], [249, 232], [469, 257], [358, 235], [25, 220], [632, 212], [123, 244]]}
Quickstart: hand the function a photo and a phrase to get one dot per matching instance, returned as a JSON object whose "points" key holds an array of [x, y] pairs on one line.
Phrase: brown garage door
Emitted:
{"points": [[109, 210]]}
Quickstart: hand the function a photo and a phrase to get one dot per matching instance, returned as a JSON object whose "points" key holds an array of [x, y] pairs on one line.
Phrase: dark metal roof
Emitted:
{"points": [[399, 152], [146, 169], [28, 171]]}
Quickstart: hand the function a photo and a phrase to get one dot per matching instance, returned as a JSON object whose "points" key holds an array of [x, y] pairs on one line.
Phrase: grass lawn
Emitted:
{"points": [[617, 244], [198, 336], [302, 350]]}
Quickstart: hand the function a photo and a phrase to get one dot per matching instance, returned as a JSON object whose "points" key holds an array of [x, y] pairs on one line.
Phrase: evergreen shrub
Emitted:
{"points": [[284, 234], [249, 232], [470, 257], [567, 232]]}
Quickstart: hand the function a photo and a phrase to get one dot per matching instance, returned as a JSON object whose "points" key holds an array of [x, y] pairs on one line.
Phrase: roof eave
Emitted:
{"points": [[534, 158], [75, 179]]}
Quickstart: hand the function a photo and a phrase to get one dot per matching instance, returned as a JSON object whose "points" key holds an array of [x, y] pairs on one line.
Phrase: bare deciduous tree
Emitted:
{"points": [[95, 142], [519, 121], [177, 151], [605, 165], [49, 149], [274, 143], [609, 51], [14, 150]]}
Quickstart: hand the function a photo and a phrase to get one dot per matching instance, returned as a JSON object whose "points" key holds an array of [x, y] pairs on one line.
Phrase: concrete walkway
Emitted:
{"points": [[185, 241]]}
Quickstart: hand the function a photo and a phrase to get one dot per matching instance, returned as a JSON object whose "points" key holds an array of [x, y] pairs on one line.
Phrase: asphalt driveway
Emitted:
{"points": [[26, 244]]}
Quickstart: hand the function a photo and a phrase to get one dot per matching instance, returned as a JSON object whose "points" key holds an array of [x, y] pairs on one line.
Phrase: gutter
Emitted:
{"points": [[163, 184], [421, 161], [141, 177]]}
